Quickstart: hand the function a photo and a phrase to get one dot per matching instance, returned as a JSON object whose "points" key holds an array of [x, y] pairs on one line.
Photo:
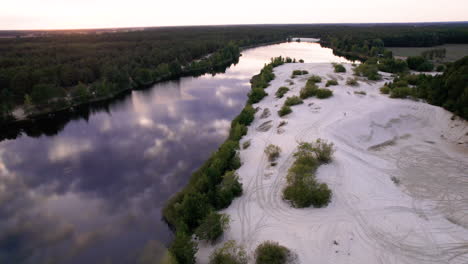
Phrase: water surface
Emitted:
{"points": [[93, 192]]}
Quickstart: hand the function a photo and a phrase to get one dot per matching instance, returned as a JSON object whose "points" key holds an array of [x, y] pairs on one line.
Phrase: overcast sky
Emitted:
{"points": [[64, 14]]}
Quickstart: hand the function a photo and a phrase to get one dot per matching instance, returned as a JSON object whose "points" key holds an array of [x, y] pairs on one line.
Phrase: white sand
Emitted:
{"points": [[424, 219]]}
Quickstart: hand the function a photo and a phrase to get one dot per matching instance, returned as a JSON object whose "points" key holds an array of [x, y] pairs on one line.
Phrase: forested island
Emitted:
{"points": [[51, 72]]}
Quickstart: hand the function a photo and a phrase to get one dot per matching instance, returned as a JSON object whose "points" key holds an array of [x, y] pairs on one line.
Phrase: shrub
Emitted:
{"points": [[301, 61], [229, 253], [339, 68], [324, 93], [315, 79], [360, 92], [246, 116], [302, 189], [352, 82], [385, 89], [293, 100], [183, 248], [323, 150], [256, 95], [368, 70], [284, 110], [331, 82], [212, 227], [228, 189], [281, 91], [401, 92], [298, 72], [272, 152], [270, 252], [419, 63], [308, 91], [440, 68]]}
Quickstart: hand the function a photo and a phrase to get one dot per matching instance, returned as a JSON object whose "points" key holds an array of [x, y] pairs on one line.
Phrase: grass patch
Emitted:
{"points": [[339, 67], [323, 93], [229, 253], [315, 79], [270, 252], [272, 152], [293, 100], [281, 91], [285, 110], [331, 83], [302, 189], [352, 82]]}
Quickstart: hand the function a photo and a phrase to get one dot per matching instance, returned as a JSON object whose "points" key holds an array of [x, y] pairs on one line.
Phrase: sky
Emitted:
{"points": [[70, 14]]}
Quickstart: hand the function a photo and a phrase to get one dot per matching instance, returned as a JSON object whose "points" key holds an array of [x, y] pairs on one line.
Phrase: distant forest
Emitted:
{"points": [[53, 71]]}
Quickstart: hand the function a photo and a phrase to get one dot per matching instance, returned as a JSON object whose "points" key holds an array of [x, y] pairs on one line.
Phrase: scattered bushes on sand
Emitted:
{"points": [[302, 189], [352, 82], [331, 83], [229, 253], [293, 100], [214, 185], [272, 152], [270, 252], [339, 67], [281, 91], [284, 110], [212, 227], [323, 93]]}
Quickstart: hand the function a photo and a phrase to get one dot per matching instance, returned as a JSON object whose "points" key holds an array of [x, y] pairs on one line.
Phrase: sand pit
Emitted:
{"points": [[399, 178]]}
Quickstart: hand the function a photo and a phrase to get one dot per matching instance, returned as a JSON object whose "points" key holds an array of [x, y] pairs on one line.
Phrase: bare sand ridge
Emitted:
{"points": [[399, 178]]}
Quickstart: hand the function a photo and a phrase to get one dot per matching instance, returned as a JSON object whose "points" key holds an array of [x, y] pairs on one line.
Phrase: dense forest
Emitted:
{"points": [[54, 71]]}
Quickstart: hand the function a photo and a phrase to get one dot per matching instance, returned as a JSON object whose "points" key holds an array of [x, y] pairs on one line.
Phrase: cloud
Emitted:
{"points": [[68, 149]]}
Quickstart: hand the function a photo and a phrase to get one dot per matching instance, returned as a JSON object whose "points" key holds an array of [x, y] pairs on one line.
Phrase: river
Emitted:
{"points": [[92, 191]]}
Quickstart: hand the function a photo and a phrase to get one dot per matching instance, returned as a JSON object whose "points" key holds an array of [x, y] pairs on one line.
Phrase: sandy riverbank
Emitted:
{"points": [[423, 219]]}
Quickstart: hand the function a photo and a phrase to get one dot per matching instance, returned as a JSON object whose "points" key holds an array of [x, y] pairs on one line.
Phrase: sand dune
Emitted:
{"points": [[371, 219]]}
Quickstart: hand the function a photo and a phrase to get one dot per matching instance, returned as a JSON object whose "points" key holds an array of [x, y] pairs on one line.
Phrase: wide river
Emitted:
{"points": [[92, 192]]}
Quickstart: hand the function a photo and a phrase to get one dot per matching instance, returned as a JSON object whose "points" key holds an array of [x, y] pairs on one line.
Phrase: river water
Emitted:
{"points": [[92, 191]]}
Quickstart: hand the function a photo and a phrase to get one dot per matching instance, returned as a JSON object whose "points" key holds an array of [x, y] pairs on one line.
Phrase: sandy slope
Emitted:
{"points": [[424, 219]]}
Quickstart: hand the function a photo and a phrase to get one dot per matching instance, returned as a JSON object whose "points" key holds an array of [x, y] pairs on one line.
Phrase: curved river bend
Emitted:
{"points": [[93, 192]]}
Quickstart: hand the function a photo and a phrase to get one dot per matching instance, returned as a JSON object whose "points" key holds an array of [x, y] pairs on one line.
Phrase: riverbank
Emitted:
{"points": [[398, 177]]}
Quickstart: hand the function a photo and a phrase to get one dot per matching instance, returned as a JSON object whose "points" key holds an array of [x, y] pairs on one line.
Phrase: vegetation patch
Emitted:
{"points": [[285, 110], [369, 69], [229, 253], [298, 72], [323, 93], [339, 67], [270, 252], [302, 188], [272, 152], [352, 82], [212, 227], [360, 92], [315, 79], [331, 83], [293, 100], [281, 91]]}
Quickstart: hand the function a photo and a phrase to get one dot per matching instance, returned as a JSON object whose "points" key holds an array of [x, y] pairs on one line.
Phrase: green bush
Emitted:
{"points": [[273, 152], [419, 63], [281, 91], [293, 100], [298, 72], [284, 110], [270, 252], [308, 91], [368, 70], [339, 68], [331, 82], [228, 189], [315, 79], [440, 68], [385, 89], [352, 82], [302, 189], [183, 249], [324, 93], [246, 116], [401, 92], [256, 95], [229, 253], [212, 227]]}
